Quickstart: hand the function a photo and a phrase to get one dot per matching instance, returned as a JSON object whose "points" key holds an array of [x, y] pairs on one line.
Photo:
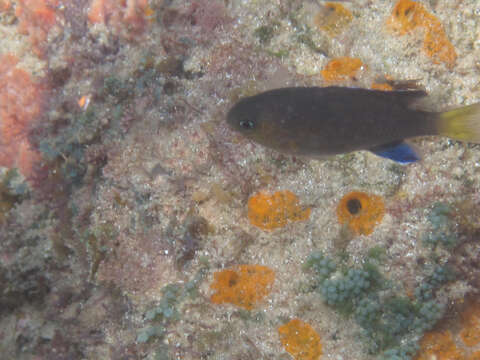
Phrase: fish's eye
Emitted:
{"points": [[247, 124]]}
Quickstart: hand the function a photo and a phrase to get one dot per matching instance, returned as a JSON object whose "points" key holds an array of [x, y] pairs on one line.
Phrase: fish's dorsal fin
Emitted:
{"points": [[398, 151], [408, 96]]}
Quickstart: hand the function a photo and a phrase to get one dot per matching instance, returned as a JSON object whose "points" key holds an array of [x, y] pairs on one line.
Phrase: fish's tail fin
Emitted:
{"points": [[461, 124]]}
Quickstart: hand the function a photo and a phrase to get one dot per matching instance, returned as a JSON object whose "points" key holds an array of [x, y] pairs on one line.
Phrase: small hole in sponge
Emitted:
{"points": [[354, 206]]}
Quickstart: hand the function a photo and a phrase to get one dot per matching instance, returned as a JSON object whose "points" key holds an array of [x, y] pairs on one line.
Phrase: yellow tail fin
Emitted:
{"points": [[461, 124]]}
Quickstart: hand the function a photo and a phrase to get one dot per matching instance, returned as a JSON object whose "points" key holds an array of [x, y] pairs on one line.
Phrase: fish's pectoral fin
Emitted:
{"points": [[398, 151]]}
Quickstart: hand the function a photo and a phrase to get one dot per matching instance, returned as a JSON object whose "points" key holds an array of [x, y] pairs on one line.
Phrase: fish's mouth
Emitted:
{"points": [[232, 124], [230, 120], [231, 117]]}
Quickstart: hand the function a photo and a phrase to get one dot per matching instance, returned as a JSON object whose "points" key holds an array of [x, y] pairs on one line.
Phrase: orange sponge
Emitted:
{"points": [[333, 18], [470, 333], [438, 345], [269, 212], [475, 356], [300, 340], [244, 286], [408, 15], [360, 211], [382, 86], [341, 69]]}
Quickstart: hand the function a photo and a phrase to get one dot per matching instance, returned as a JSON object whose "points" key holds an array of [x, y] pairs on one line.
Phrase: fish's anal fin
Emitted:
{"points": [[400, 152]]}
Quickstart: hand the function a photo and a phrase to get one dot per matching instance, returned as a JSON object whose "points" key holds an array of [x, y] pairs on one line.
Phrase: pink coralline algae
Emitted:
{"points": [[21, 103], [36, 19], [130, 14], [5, 5]]}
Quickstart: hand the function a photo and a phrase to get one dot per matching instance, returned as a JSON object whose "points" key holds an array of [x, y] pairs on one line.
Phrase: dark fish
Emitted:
{"points": [[314, 122]]}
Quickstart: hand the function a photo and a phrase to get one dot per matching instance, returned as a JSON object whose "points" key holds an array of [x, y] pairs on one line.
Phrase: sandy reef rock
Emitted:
{"points": [[125, 225]]}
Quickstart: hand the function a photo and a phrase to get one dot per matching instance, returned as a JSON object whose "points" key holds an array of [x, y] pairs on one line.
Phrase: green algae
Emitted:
{"points": [[388, 320], [264, 34], [167, 311], [442, 231]]}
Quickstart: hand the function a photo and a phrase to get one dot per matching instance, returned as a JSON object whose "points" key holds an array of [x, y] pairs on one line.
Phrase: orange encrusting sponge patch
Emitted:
{"points": [[361, 212], [271, 211], [442, 345], [438, 345], [244, 285], [408, 15], [300, 340], [333, 18], [382, 86], [341, 69], [470, 333]]}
